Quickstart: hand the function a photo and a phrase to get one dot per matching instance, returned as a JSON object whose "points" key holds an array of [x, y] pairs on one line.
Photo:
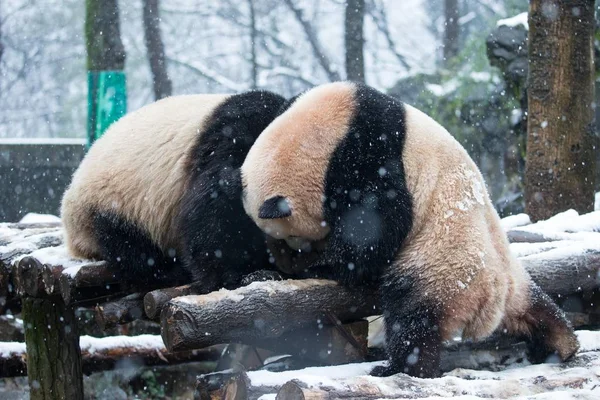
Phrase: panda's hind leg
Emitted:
{"points": [[413, 337], [545, 328], [128, 248]]}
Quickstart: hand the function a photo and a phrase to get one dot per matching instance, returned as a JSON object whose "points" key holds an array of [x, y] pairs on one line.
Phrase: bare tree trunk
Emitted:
{"points": [[156, 50], [451, 30], [355, 63], [253, 36], [105, 49], [1, 45], [560, 143], [311, 35]]}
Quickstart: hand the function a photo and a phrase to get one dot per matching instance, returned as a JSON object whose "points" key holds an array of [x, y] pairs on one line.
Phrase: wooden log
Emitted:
{"points": [[519, 236], [155, 300], [101, 354], [120, 312], [27, 277], [262, 310], [5, 286], [566, 275], [51, 278], [34, 225], [53, 353], [194, 320], [459, 383], [94, 274], [296, 391]]}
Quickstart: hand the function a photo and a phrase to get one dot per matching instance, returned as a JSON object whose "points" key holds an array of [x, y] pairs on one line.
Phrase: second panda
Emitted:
{"points": [[397, 202], [159, 194]]}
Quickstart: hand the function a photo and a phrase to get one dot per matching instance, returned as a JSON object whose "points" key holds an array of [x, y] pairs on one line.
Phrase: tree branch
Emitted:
{"points": [[322, 58]]}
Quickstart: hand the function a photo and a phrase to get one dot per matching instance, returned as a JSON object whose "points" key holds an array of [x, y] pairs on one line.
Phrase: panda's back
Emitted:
{"points": [[137, 170]]}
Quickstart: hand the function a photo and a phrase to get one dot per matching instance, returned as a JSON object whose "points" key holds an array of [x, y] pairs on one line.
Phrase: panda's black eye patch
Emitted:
{"points": [[274, 208]]}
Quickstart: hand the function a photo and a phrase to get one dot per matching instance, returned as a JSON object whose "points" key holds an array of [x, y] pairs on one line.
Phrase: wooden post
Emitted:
{"points": [[53, 354]]}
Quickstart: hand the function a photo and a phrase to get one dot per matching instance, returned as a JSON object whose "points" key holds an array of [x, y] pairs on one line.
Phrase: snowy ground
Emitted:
{"points": [[576, 379]]}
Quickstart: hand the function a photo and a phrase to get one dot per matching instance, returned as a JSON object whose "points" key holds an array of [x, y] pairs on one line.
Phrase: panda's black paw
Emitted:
{"points": [[261, 276], [382, 371]]}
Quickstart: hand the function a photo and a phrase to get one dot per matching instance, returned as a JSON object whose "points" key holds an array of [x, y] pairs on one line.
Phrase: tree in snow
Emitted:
{"points": [[156, 50], [561, 142], [451, 30], [354, 38]]}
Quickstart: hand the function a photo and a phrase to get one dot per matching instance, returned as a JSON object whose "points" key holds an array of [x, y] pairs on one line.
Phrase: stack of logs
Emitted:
{"points": [[302, 317]]}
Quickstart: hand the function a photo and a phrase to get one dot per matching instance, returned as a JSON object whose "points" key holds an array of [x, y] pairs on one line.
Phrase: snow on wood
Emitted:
{"points": [[514, 221], [520, 19], [104, 353], [264, 309], [578, 378], [261, 310], [35, 218]]}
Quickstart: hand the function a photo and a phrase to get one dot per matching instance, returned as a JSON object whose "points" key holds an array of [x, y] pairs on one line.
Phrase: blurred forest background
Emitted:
{"points": [[451, 58]]}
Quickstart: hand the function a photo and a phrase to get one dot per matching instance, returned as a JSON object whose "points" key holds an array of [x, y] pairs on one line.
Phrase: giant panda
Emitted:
{"points": [[398, 203], [159, 194]]}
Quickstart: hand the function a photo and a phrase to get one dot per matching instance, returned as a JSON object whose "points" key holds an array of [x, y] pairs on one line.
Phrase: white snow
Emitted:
{"points": [[542, 381], [92, 344], [520, 19], [514, 221], [7, 349], [56, 256], [269, 287], [25, 240], [526, 249], [312, 376], [597, 202], [31, 218], [588, 340]]}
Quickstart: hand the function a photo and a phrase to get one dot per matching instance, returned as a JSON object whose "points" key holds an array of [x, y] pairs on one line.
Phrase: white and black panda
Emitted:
{"points": [[398, 202], [161, 188]]}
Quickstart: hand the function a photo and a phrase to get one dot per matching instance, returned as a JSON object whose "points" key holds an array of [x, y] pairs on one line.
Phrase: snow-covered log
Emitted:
{"points": [[563, 272], [155, 300], [575, 379], [259, 311], [92, 275], [263, 309], [99, 354]]}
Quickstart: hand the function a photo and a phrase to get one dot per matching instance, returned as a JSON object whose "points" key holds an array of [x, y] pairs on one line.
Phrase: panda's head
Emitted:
{"points": [[284, 172]]}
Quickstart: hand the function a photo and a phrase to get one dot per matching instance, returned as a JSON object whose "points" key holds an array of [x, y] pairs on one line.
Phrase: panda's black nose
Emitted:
{"points": [[274, 208]]}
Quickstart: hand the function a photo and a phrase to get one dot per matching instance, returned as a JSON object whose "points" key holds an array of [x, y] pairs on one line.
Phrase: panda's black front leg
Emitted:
{"points": [[413, 340]]}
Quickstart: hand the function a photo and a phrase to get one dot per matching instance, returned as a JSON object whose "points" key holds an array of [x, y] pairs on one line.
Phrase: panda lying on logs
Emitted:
{"points": [[399, 203], [159, 194]]}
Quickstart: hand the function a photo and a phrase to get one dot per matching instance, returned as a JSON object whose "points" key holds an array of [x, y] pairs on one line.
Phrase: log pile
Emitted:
{"points": [[301, 317], [575, 379], [99, 354]]}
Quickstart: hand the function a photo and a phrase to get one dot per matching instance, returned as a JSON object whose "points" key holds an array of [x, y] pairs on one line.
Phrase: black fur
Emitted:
{"points": [[275, 207], [221, 243], [139, 260], [367, 204], [413, 340], [547, 322]]}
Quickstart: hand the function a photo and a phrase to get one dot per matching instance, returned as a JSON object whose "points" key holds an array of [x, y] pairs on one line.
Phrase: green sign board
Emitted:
{"points": [[107, 101]]}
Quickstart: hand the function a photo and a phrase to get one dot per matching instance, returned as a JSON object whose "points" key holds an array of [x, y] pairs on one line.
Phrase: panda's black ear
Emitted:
{"points": [[275, 207]]}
